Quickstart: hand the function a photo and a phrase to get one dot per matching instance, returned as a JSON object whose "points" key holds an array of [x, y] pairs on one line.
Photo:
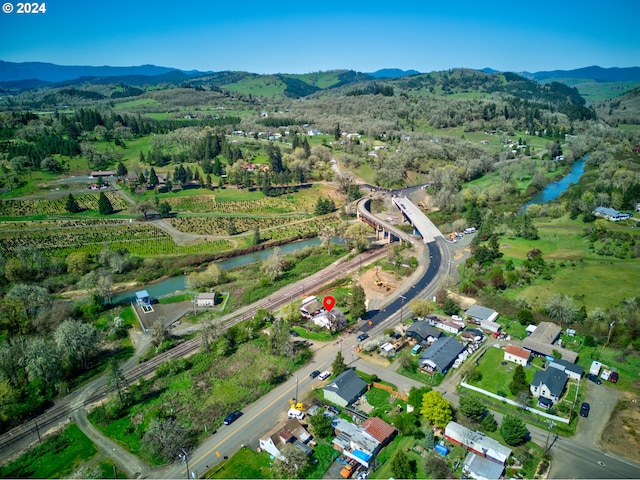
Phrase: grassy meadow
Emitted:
{"points": [[56, 457], [590, 279]]}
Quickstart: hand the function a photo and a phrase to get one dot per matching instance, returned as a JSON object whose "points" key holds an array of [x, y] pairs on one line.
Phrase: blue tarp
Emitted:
{"points": [[361, 455], [442, 450]]}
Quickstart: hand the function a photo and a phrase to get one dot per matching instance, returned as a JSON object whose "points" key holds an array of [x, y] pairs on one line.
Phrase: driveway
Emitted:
{"points": [[603, 399]]}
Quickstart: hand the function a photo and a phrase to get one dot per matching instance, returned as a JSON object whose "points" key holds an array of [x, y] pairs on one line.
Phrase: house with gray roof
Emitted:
{"points": [[345, 389], [549, 383], [611, 214], [422, 331], [441, 355], [354, 442], [480, 313], [477, 442], [573, 370], [481, 468], [542, 341]]}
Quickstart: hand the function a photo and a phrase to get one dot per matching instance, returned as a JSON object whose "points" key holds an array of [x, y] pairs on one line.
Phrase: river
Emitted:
{"points": [[554, 189], [174, 284]]}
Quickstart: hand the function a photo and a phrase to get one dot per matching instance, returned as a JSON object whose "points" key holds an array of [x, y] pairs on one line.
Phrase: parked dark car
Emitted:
{"points": [[362, 336], [613, 377], [314, 374], [584, 410], [333, 409], [232, 417], [594, 378], [293, 333]]}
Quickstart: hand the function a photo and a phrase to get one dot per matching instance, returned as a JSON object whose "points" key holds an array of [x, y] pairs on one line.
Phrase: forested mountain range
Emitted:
{"points": [[50, 72], [457, 83], [599, 74], [37, 74]]}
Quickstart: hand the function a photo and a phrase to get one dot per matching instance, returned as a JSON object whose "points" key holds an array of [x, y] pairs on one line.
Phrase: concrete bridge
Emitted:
{"points": [[421, 224], [383, 229]]}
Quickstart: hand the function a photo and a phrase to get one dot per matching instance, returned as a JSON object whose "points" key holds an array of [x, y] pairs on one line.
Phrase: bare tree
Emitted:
{"points": [[166, 438], [294, 463], [77, 341], [100, 283], [145, 207], [279, 338], [274, 265], [42, 360], [159, 331], [325, 235], [210, 334]]}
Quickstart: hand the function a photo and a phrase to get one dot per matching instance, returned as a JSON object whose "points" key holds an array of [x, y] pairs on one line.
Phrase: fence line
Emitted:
{"points": [[390, 390], [511, 402]]}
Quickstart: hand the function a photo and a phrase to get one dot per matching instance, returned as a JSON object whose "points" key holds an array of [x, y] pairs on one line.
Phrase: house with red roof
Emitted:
{"points": [[380, 430], [517, 355]]}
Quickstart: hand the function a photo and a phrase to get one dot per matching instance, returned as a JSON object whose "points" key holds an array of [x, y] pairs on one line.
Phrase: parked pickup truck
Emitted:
{"points": [[346, 471]]}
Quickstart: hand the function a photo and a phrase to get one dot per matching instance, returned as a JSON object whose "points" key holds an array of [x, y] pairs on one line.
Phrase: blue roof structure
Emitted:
{"points": [[361, 455]]}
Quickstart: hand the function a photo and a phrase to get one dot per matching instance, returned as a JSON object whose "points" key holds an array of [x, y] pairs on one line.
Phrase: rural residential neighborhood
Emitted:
{"points": [[347, 271]]}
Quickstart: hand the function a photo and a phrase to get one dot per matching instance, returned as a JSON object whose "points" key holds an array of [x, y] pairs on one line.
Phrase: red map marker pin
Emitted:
{"points": [[329, 302]]}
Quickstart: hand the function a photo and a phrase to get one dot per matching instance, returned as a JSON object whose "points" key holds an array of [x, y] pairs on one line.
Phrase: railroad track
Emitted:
{"points": [[31, 429]]}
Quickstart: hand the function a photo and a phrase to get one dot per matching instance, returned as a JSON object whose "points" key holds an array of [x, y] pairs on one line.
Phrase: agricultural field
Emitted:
{"points": [[64, 238], [28, 208], [220, 225], [232, 201]]}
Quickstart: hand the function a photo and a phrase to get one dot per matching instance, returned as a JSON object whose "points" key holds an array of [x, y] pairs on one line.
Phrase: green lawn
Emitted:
{"points": [[496, 377], [245, 463], [325, 454], [57, 457], [399, 443]]}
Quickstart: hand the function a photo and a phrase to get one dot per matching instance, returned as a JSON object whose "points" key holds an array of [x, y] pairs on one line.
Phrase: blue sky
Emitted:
{"points": [[309, 36]]}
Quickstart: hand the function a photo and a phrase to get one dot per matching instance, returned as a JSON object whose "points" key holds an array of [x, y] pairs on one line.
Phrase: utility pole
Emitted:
{"points": [[610, 331], [185, 458], [37, 430], [547, 447], [401, 306]]}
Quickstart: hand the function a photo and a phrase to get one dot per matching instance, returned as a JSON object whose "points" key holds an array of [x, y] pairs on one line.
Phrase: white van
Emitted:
{"points": [[324, 375], [294, 413]]}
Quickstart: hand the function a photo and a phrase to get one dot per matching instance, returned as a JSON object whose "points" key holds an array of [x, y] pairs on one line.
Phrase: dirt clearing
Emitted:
{"points": [[377, 283], [622, 433]]}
